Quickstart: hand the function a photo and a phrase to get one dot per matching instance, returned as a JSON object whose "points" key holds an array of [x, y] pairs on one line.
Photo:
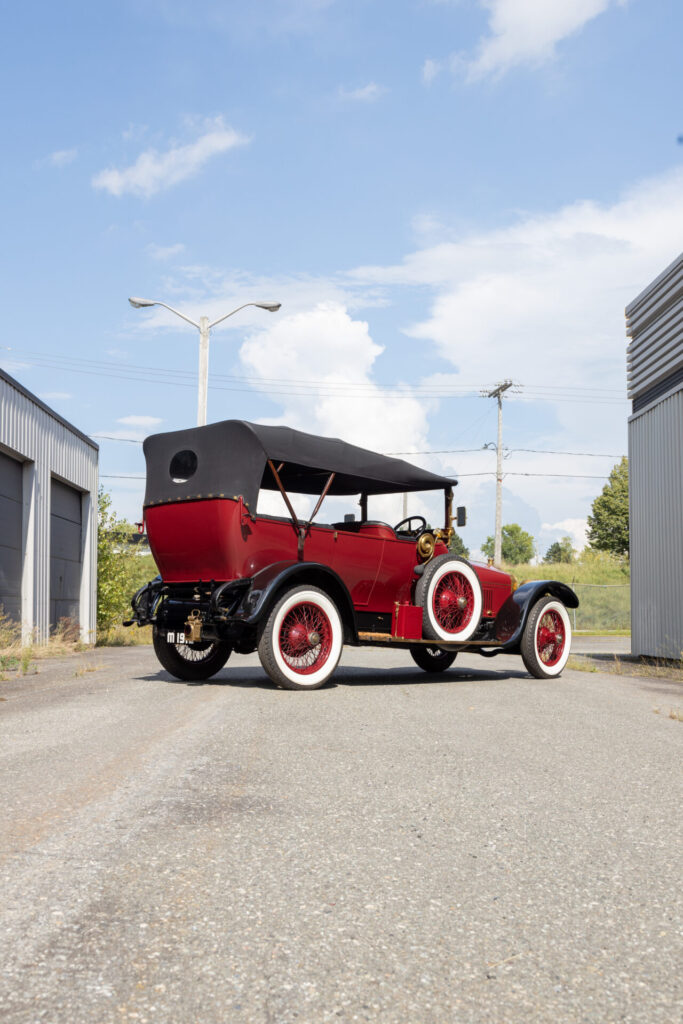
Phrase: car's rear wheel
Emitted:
{"points": [[190, 662], [432, 659], [547, 639], [450, 594], [302, 639]]}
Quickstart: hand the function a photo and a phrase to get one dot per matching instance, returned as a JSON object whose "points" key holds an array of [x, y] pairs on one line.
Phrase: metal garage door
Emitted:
{"points": [[10, 535], [65, 553]]}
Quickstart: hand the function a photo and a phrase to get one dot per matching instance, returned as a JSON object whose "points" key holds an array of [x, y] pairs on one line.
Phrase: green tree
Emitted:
{"points": [[456, 546], [608, 521], [116, 565], [560, 551], [517, 545]]}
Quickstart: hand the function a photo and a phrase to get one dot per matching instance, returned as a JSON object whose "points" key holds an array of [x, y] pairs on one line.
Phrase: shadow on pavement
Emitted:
{"points": [[345, 676]]}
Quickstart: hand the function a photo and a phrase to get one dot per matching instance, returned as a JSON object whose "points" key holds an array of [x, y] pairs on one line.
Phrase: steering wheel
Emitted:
{"points": [[412, 532]]}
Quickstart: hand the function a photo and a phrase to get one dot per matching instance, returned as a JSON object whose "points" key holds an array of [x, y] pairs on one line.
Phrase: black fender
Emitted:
{"points": [[270, 582], [144, 602], [512, 617]]}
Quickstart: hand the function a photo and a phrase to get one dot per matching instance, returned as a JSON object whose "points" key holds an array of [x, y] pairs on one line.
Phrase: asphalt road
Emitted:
{"points": [[482, 848]]}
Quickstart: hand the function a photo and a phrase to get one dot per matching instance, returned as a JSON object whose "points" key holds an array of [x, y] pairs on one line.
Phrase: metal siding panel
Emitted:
{"points": [[655, 326], [656, 499], [29, 430]]}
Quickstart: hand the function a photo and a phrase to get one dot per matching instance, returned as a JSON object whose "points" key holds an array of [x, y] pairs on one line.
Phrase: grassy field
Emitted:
{"points": [[602, 585]]}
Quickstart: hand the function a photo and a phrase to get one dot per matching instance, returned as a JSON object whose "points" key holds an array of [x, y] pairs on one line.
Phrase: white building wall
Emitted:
{"points": [[30, 431]]}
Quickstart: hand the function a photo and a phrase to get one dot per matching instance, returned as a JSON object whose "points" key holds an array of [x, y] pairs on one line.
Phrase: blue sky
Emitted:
{"points": [[441, 194]]}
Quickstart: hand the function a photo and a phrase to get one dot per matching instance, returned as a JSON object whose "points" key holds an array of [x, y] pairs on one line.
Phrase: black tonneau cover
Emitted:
{"points": [[232, 460]]}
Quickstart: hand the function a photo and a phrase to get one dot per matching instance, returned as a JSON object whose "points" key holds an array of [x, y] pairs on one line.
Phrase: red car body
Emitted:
{"points": [[217, 539], [233, 579]]}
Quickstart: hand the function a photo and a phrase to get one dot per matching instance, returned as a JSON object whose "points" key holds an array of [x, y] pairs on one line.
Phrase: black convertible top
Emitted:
{"points": [[230, 458]]}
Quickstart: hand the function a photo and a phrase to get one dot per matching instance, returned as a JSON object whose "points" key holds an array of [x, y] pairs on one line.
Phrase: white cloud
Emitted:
{"points": [[14, 365], [542, 302], [365, 94], [430, 69], [527, 31], [154, 171], [165, 252], [62, 157], [140, 421], [577, 529], [134, 132], [344, 354]]}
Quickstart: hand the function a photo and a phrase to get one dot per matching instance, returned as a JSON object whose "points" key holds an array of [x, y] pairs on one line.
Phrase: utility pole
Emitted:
{"points": [[498, 394]]}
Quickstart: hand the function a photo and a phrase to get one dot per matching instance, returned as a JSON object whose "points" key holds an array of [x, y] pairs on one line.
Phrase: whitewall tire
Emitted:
{"points": [[450, 594], [302, 639], [547, 639]]}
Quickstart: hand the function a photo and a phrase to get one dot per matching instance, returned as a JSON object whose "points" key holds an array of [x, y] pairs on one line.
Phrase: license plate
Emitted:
{"points": [[175, 638]]}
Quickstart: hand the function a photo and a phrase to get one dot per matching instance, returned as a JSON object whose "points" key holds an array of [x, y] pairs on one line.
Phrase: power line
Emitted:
{"points": [[573, 476], [298, 387], [110, 437], [590, 455], [460, 451], [432, 451]]}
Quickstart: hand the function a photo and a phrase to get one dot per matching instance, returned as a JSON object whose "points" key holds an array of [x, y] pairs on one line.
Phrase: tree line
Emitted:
{"points": [[608, 528]]}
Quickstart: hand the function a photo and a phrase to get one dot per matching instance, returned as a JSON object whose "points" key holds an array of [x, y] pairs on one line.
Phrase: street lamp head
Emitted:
{"points": [[272, 307], [141, 303]]}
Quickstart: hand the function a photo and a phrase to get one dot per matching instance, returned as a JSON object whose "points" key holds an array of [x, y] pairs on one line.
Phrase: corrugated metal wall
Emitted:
{"points": [[654, 322], [656, 498], [655, 377], [29, 430]]}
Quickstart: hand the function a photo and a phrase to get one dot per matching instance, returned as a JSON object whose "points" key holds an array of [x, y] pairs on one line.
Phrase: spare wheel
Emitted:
{"points": [[449, 592]]}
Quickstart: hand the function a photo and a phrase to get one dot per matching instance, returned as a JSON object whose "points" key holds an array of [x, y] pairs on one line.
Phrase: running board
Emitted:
{"points": [[387, 638]]}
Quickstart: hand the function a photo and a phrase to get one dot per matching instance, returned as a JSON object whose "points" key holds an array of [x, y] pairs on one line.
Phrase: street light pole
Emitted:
{"points": [[497, 393], [203, 382], [204, 328]]}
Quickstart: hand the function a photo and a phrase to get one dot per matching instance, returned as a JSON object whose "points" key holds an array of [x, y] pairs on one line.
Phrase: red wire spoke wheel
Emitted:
{"points": [[305, 638], [450, 594], [302, 638], [453, 602], [547, 638], [550, 637]]}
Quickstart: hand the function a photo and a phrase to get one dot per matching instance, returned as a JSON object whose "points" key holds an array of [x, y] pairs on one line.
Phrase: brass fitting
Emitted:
{"points": [[425, 546], [193, 627]]}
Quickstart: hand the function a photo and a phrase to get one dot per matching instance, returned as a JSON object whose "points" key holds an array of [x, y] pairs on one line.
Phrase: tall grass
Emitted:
{"points": [[602, 585], [19, 654]]}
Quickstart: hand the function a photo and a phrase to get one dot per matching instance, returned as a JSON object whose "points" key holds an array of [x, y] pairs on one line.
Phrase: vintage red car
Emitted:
{"points": [[235, 580]]}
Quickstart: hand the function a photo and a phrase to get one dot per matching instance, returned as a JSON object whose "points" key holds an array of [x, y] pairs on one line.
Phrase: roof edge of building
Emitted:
{"points": [[46, 408], [653, 286]]}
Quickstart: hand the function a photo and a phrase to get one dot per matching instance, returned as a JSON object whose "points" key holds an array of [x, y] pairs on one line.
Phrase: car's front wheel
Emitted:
{"points": [[432, 659], [546, 639], [302, 639], [190, 662]]}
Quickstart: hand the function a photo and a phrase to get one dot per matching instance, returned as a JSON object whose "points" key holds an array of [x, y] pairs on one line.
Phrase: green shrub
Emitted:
{"points": [[120, 569]]}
